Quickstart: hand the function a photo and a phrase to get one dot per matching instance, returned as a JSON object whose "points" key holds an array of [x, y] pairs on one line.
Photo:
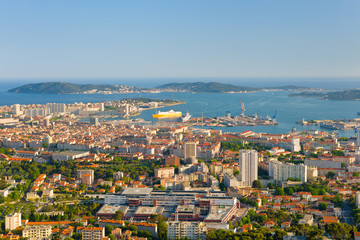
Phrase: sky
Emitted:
{"points": [[65, 39]]}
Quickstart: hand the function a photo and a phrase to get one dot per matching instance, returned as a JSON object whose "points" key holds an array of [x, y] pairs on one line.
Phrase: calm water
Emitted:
{"points": [[288, 109]]}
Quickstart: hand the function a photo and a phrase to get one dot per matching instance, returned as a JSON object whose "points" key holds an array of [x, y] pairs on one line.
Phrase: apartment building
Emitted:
{"points": [[12, 221], [248, 167], [189, 230], [93, 233], [164, 172], [283, 171], [37, 232]]}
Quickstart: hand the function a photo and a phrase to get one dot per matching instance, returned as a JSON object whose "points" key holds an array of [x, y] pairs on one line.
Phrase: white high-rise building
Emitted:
{"points": [[248, 167], [190, 152], [16, 109], [283, 171], [127, 109], [12, 221], [358, 137], [56, 107], [33, 112], [295, 145]]}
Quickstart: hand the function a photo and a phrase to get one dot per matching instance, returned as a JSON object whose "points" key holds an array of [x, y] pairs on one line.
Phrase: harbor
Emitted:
{"points": [[343, 124]]}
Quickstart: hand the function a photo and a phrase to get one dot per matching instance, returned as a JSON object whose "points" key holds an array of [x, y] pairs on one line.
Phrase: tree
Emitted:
{"points": [[279, 191], [257, 184], [323, 206], [145, 234], [340, 230], [337, 153], [118, 215], [271, 185], [162, 230], [279, 235], [231, 225], [133, 228], [330, 174], [108, 229], [355, 174]]}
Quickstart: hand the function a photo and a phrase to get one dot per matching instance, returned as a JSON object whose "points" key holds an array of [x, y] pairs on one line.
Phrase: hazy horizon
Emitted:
{"points": [[312, 82]]}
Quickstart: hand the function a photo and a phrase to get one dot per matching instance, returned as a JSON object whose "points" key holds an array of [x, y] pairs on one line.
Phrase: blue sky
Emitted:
{"points": [[178, 39]]}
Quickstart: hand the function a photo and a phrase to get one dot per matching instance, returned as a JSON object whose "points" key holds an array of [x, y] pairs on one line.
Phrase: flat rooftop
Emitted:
{"points": [[148, 210], [137, 191], [70, 153], [217, 212], [111, 209]]}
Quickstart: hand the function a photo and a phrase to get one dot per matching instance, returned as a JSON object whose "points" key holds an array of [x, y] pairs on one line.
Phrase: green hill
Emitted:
{"points": [[345, 95], [209, 87], [65, 88]]}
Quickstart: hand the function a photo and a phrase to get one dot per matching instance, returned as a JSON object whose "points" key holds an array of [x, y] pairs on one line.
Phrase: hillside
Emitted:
{"points": [[197, 87], [68, 88], [346, 95], [208, 87]]}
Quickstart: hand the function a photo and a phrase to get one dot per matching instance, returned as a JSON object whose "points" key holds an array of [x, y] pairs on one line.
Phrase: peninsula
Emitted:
{"points": [[195, 87], [345, 95]]}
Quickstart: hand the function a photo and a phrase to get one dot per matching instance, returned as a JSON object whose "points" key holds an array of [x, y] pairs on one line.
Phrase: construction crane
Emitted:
{"points": [[171, 97], [242, 108]]}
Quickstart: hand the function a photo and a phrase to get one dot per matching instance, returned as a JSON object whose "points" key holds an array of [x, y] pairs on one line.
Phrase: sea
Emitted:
{"points": [[287, 110]]}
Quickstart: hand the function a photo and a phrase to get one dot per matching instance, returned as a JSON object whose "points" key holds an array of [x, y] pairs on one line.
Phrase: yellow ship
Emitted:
{"points": [[169, 114]]}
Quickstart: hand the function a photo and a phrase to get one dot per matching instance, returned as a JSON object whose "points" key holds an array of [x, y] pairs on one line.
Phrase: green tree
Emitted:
{"points": [[279, 235], [271, 185], [145, 234], [231, 225], [162, 230], [340, 230], [108, 229], [330, 174], [257, 184], [323, 206], [279, 191], [118, 215]]}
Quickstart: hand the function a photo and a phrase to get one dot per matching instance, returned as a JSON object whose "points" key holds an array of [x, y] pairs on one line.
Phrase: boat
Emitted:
{"points": [[184, 118], [169, 114]]}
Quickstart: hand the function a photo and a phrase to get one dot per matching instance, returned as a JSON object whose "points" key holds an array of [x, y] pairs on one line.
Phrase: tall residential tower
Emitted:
{"points": [[248, 167]]}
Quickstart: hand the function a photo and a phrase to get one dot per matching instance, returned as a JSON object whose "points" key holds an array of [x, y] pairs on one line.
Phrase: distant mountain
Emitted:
{"points": [[68, 88], [197, 87], [288, 87], [204, 87], [346, 95]]}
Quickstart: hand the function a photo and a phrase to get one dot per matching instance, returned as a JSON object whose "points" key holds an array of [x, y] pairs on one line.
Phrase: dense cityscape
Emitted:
{"points": [[180, 120], [64, 178]]}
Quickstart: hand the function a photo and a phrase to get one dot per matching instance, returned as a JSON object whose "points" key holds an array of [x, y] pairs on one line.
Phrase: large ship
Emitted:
{"points": [[169, 114]]}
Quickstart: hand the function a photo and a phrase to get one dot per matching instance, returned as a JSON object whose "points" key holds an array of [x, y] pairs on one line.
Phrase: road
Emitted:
{"points": [[346, 214]]}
